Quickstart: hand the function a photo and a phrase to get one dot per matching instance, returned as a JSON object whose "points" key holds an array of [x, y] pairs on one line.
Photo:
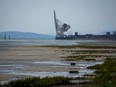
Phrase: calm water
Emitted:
{"points": [[16, 68], [56, 42]]}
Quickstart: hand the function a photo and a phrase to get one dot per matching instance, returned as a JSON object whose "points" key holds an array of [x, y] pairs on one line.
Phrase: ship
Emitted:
{"points": [[62, 27]]}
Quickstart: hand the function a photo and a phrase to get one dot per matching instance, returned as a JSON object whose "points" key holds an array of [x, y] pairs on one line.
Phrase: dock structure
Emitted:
{"points": [[63, 27], [60, 27], [5, 36]]}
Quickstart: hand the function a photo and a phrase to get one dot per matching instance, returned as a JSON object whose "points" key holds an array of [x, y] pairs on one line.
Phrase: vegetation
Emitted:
{"points": [[0, 85], [38, 82], [97, 47], [90, 59], [105, 74], [74, 58], [82, 46], [82, 57], [93, 51]]}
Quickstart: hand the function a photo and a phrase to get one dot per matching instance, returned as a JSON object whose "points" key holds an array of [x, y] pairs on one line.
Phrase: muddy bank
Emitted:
{"points": [[42, 61]]}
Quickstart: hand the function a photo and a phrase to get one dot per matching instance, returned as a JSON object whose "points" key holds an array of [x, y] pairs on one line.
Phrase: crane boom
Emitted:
{"points": [[55, 20], [60, 27]]}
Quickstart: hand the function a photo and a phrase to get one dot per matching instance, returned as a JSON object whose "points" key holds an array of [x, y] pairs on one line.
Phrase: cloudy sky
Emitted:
{"points": [[84, 16]]}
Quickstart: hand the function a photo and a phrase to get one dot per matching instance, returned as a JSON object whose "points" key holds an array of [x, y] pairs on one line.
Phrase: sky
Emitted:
{"points": [[84, 16]]}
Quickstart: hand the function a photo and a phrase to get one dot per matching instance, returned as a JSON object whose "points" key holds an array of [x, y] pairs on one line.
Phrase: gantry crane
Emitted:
{"points": [[60, 28]]}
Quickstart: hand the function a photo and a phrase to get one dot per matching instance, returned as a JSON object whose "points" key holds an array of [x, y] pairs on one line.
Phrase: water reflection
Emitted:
{"points": [[17, 69]]}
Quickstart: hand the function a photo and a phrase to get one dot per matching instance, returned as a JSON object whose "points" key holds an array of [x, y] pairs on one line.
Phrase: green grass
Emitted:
{"points": [[90, 59], [81, 46], [74, 58], [82, 57], [38, 82], [105, 74], [93, 51], [97, 47]]}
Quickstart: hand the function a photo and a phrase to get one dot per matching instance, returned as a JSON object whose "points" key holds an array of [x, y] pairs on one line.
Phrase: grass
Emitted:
{"points": [[81, 46], [93, 51], [105, 74], [90, 59], [38, 82], [74, 58], [82, 57], [97, 47]]}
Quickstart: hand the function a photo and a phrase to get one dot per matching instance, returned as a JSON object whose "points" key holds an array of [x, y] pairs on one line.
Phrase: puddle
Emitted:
{"points": [[9, 68], [15, 69], [52, 74], [82, 64], [6, 71], [51, 63]]}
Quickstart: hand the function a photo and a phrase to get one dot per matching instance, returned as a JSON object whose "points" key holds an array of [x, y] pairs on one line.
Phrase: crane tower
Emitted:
{"points": [[60, 28]]}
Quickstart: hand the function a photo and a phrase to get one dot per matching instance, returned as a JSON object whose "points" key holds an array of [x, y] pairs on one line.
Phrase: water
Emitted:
{"points": [[36, 42], [16, 69], [56, 42]]}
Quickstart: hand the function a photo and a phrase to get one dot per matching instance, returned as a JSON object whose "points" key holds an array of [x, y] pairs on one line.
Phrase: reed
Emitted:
{"points": [[38, 82], [105, 74]]}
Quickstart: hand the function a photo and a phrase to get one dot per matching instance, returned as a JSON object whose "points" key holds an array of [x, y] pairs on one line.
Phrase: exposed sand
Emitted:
{"points": [[11, 55], [21, 55], [29, 53]]}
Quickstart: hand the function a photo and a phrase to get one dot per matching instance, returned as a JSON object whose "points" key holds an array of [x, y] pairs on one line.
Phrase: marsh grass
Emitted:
{"points": [[82, 57], [38, 82], [93, 51], [97, 47], [74, 58], [80, 46], [105, 74]]}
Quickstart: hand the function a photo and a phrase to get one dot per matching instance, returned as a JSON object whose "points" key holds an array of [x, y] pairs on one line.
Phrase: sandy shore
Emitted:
{"points": [[22, 55], [29, 53]]}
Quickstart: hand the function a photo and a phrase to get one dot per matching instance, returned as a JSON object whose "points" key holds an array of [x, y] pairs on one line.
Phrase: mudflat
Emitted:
{"points": [[14, 57], [28, 59]]}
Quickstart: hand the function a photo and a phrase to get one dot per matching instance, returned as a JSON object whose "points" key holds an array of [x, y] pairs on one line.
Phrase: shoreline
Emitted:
{"points": [[10, 55], [26, 42]]}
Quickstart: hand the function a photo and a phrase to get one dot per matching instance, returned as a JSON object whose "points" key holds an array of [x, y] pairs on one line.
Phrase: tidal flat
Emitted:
{"points": [[17, 62]]}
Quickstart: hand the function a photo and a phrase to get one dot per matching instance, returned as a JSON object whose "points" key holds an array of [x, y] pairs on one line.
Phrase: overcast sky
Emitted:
{"points": [[84, 16]]}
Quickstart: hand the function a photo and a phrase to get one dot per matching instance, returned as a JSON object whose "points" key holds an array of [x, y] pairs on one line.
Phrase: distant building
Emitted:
{"points": [[76, 33], [5, 36], [108, 33], [63, 27], [114, 32]]}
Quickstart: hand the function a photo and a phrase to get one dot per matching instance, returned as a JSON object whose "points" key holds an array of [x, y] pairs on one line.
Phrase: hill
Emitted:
{"points": [[104, 32], [23, 35]]}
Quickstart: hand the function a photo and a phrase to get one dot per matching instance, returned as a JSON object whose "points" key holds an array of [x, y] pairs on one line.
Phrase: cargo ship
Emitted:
{"points": [[62, 27]]}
